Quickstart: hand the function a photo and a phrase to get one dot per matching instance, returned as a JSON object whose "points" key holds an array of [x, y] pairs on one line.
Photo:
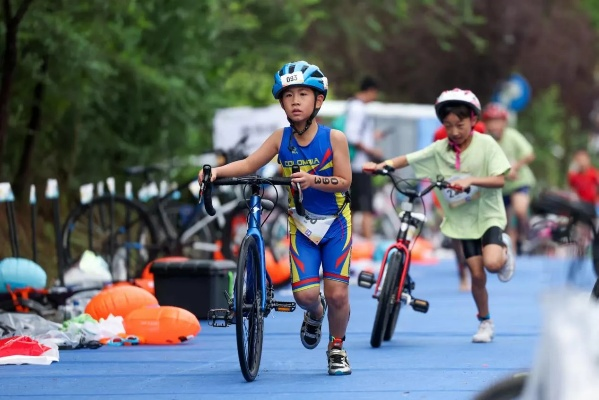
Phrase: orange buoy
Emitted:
{"points": [[362, 250], [218, 254], [162, 324], [279, 272], [422, 252], [147, 284], [146, 274], [119, 300]]}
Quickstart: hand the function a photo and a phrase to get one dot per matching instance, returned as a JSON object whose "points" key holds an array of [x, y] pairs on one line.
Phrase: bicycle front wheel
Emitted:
{"points": [[249, 317], [387, 298], [398, 259]]}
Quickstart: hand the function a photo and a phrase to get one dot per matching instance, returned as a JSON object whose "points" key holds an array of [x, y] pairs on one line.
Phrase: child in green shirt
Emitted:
{"points": [[477, 218]]}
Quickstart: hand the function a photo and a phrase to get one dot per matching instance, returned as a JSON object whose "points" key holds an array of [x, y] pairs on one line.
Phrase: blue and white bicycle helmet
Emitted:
{"points": [[299, 73]]}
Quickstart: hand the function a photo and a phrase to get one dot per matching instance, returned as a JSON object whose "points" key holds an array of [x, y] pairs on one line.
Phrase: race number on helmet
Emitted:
{"points": [[299, 73]]}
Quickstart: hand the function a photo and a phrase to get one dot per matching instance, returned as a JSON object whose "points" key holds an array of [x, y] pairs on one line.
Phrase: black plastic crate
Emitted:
{"points": [[195, 285]]}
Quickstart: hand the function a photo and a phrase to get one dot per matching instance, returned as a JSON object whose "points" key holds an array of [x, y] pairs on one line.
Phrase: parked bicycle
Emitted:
{"points": [[253, 294], [394, 286], [129, 233]]}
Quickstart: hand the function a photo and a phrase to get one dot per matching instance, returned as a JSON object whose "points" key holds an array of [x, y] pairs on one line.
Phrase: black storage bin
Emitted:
{"points": [[195, 285]]}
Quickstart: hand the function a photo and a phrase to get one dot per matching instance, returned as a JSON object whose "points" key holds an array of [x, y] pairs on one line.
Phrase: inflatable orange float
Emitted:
{"points": [[119, 300], [279, 272], [362, 250], [162, 324], [422, 252], [146, 274]]}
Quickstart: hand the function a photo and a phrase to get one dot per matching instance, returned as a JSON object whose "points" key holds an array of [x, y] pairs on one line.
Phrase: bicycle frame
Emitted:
{"points": [[254, 218], [402, 245]]}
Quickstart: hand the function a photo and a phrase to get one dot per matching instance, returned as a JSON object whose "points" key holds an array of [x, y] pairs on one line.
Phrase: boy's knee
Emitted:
{"points": [[306, 298], [338, 297]]}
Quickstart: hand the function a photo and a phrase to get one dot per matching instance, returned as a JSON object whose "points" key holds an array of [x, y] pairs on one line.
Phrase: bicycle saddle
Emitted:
{"points": [[555, 203]]}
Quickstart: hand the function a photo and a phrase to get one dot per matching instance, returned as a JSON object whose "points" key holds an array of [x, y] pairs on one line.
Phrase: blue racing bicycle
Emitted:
{"points": [[253, 294]]}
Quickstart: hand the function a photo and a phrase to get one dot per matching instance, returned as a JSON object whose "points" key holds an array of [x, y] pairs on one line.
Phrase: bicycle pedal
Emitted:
{"points": [[420, 305], [284, 306], [366, 279], [219, 317]]}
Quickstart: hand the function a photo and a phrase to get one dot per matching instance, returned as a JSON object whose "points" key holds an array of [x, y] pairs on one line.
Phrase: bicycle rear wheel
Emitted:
{"points": [[510, 388], [274, 232], [386, 300], [397, 258], [115, 228], [249, 317]]}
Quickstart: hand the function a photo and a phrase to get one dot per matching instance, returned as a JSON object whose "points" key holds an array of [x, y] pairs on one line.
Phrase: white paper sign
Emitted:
{"points": [[128, 190], [110, 185], [6, 192], [32, 196], [86, 193], [100, 188], [52, 189]]}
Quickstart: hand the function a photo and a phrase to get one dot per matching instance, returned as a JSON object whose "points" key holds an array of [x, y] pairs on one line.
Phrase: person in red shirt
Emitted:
{"points": [[441, 134], [583, 178]]}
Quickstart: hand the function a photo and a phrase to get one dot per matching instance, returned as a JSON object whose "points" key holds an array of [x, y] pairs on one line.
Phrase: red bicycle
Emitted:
{"points": [[394, 286]]}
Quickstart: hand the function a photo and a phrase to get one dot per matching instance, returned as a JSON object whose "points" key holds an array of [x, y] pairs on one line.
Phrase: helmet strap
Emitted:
{"points": [[308, 122]]}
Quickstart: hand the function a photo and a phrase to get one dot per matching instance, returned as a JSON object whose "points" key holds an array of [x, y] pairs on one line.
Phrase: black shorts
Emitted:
{"points": [[474, 247], [361, 192], [507, 199]]}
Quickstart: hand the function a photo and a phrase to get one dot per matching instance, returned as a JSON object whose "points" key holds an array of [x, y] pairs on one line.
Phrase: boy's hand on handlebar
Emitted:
{"points": [[304, 179], [212, 178]]}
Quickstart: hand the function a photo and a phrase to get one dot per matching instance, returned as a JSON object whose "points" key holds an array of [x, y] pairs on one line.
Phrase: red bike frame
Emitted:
{"points": [[402, 246]]}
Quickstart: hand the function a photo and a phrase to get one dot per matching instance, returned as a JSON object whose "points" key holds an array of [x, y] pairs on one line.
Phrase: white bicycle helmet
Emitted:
{"points": [[456, 97]]}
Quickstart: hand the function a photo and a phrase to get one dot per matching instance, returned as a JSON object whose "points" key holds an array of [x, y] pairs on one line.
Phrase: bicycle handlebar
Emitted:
{"points": [[440, 183], [206, 187]]}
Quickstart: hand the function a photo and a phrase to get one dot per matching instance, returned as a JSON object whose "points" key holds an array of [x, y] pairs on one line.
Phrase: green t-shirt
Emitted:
{"points": [[467, 216], [516, 147]]}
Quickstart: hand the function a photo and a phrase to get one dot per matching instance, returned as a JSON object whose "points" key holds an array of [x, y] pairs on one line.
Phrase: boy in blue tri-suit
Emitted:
{"points": [[325, 177]]}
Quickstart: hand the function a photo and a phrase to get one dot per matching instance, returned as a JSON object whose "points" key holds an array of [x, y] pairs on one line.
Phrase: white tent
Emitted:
{"points": [[409, 126]]}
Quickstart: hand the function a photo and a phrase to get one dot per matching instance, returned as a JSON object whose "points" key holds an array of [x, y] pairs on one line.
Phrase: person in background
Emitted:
{"points": [[583, 177], [520, 179], [361, 135]]}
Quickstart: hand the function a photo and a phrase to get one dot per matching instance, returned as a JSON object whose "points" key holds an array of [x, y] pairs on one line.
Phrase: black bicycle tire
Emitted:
{"points": [[506, 389], [249, 367], [387, 296], [206, 234], [390, 329], [81, 209]]}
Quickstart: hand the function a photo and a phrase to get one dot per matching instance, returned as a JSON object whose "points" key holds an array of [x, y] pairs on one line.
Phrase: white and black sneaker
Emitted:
{"points": [[507, 271], [311, 330], [338, 362]]}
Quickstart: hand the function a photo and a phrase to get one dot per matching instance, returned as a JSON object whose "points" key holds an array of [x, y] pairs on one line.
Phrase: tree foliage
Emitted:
{"points": [[132, 82]]}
